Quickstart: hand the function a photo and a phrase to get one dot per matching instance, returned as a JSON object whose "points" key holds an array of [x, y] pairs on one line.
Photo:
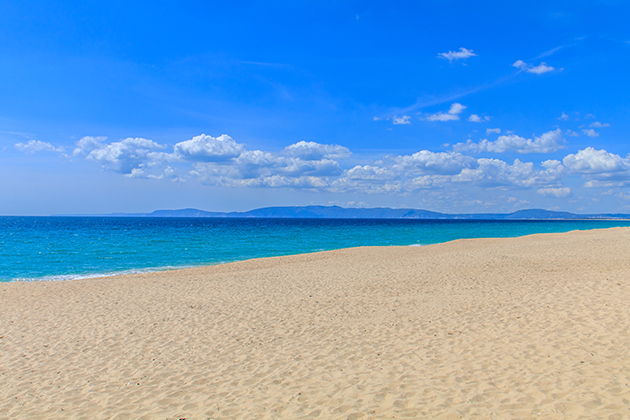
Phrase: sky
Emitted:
{"points": [[449, 106]]}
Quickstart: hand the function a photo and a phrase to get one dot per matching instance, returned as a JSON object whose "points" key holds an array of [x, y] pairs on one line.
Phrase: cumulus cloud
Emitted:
{"points": [[33, 146], [495, 172], [519, 64], [550, 141], [263, 169], [590, 132], [221, 161], [427, 162], [539, 69], [88, 143], [122, 156], [368, 172], [474, 118], [456, 108], [593, 161], [405, 119], [451, 115], [554, 192], [300, 165], [493, 130], [440, 116], [316, 151], [463, 53], [205, 148], [597, 124]]}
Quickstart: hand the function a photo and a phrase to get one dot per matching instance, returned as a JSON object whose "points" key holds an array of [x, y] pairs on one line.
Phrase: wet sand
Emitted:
{"points": [[531, 327]]}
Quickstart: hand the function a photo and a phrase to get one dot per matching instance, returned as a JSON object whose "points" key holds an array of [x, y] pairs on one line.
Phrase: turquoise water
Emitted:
{"points": [[55, 248]]}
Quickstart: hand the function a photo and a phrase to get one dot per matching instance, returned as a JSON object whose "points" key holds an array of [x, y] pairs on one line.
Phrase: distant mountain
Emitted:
{"points": [[336, 212]]}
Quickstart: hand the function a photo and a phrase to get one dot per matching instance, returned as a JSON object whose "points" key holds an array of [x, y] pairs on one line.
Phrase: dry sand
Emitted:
{"points": [[533, 327]]}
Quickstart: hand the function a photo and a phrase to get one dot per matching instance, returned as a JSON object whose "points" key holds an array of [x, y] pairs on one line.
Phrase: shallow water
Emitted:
{"points": [[55, 248]]}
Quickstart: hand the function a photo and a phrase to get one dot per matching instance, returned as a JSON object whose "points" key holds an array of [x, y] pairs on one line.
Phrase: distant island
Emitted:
{"points": [[336, 212]]}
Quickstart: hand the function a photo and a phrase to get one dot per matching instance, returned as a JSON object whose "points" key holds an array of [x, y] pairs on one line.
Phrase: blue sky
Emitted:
{"points": [[449, 106]]}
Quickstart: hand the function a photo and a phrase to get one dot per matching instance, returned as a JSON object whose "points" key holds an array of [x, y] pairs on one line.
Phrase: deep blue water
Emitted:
{"points": [[49, 248]]}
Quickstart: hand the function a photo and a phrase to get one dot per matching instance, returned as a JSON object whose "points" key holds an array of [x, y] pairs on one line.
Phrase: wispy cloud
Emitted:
{"points": [[597, 124], [405, 119], [463, 53], [590, 132], [550, 52], [451, 115], [33, 146], [477, 118], [539, 69]]}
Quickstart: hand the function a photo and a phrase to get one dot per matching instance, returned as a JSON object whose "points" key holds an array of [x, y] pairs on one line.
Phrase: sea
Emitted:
{"points": [[64, 248]]}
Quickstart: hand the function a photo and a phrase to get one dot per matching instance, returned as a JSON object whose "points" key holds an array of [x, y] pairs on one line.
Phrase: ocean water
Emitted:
{"points": [[56, 248]]}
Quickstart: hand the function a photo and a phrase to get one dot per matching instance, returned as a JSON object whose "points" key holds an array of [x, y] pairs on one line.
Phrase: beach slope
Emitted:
{"points": [[531, 327]]}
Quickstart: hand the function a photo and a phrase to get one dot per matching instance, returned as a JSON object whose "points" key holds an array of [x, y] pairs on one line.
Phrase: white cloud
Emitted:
{"points": [[376, 119], [88, 143], [440, 116], [167, 173], [463, 53], [456, 108], [426, 169], [493, 130], [368, 172], [33, 146], [205, 148], [519, 64], [495, 172], [550, 141], [300, 165], [590, 132], [563, 117], [571, 133], [316, 151], [279, 181], [122, 156], [136, 173], [597, 124], [315, 166], [451, 115], [594, 183], [539, 69], [405, 119], [592, 161], [427, 162], [474, 118], [554, 192]]}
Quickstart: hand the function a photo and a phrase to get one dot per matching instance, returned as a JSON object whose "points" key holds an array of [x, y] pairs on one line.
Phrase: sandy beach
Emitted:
{"points": [[531, 327]]}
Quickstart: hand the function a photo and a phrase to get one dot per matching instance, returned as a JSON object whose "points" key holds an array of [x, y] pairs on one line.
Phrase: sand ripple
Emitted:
{"points": [[534, 327]]}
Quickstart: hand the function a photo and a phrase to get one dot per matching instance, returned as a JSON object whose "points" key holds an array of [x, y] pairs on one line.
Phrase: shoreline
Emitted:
{"points": [[527, 327], [131, 271]]}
